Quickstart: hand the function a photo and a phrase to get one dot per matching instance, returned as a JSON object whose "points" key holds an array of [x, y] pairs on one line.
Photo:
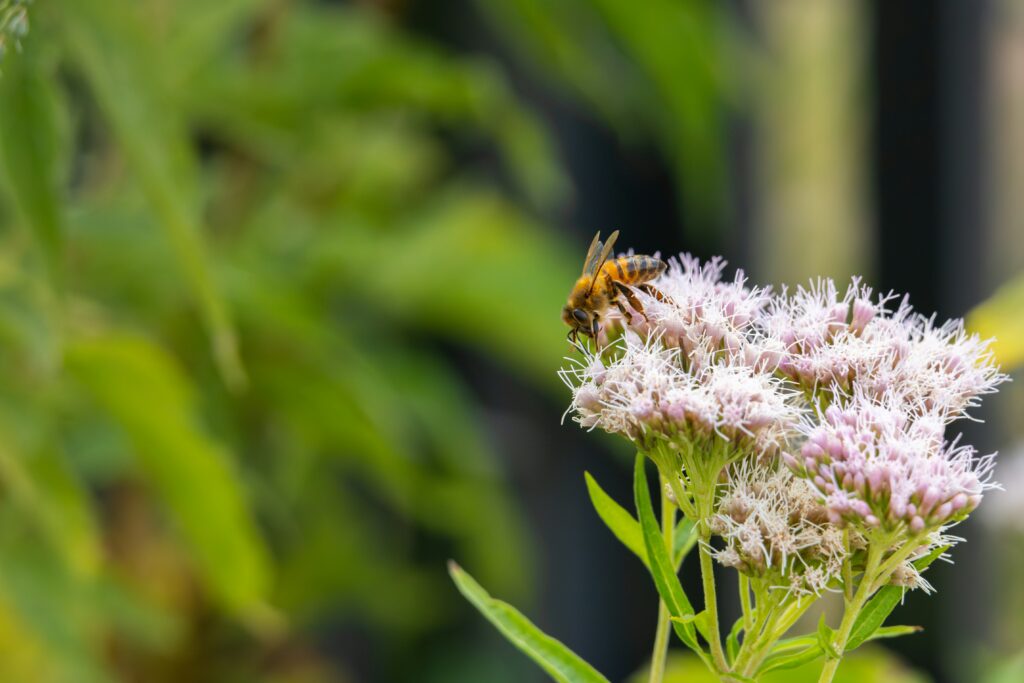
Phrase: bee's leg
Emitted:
{"points": [[627, 292], [655, 292]]}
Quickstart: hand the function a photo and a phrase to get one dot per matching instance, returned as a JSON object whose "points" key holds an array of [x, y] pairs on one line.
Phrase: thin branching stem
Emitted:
{"points": [[668, 525]]}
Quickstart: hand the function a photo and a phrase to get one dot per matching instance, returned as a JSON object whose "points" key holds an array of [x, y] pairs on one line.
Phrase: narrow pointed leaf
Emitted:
{"points": [[662, 569], [732, 643], [826, 639], [561, 663], [894, 632], [795, 643], [790, 659], [617, 519], [684, 540], [882, 604]]}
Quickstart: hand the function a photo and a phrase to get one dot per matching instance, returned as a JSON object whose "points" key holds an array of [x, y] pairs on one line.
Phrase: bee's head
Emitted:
{"points": [[581, 321]]}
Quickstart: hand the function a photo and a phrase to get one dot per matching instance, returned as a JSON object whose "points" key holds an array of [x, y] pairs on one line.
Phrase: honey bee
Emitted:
{"points": [[603, 281]]}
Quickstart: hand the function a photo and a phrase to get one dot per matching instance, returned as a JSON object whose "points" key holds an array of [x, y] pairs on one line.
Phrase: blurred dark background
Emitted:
{"points": [[280, 292]]}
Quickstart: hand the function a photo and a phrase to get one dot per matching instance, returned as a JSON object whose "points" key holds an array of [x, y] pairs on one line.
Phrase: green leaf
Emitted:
{"points": [[790, 659], [31, 145], [143, 391], [555, 658], [732, 642], [109, 42], [699, 620], [894, 632], [795, 643], [882, 604], [617, 519], [826, 639], [684, 540], [999, 318], [662, 569]]}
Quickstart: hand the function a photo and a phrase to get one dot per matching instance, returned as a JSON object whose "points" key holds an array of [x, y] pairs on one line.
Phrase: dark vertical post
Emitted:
{"points": [[928, 170], [965, 616], [906, 150]]}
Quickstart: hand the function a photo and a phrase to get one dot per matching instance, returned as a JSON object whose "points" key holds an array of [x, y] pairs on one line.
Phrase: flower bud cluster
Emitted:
{"points": [[774, 525], [877, 465]]}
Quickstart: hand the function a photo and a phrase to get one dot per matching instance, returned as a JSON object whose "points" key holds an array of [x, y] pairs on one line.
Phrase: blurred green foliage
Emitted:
{"points": [[657, 71], [235, 236], [868, 665]]}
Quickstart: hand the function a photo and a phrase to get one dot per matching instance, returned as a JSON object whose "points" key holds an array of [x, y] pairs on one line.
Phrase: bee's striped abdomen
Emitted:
{"points": [[633, 270]]}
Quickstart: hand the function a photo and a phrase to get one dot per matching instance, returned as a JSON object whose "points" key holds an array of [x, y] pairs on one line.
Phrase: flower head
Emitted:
{"points": [[698, 312], [876, 464], [853, 341], [648, 393], [774, 525]]}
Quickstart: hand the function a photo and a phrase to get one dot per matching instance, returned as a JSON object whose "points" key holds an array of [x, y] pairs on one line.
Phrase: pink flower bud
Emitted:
{"points": [[863, 312]]}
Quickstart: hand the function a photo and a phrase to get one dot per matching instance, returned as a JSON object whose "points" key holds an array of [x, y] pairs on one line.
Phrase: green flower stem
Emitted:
{"points": [[707, 573], [668, 526], [754, 639], [876, 574], [847, 568], [748, 617], [776, 629], [852, 609]]}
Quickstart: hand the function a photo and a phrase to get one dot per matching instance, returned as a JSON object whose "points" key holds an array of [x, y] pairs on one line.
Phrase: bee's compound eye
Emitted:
{"points": [[580, 315]]}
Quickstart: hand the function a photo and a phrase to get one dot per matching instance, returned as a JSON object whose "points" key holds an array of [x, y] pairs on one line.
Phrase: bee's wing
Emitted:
{"points": [[590, 263], [606, 249]]}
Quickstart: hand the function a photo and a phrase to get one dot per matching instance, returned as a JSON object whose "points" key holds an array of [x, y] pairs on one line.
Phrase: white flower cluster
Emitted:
{"points": [[855, 395], [648, 393], [699, 313], [832, 342]]}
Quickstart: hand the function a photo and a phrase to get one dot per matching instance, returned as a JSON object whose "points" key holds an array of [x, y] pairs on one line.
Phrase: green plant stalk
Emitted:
{"points": [[707, 573], [752, 636], [668, 526], [748, 617], [703, 470], [876, 573], [763, 645], [754, 639], [850, 612]]}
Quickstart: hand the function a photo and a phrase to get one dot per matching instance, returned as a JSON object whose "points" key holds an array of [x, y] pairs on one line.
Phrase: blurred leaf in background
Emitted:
{"points": [[999, 318], [867, 665], [235, 243], [656, 71]]}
